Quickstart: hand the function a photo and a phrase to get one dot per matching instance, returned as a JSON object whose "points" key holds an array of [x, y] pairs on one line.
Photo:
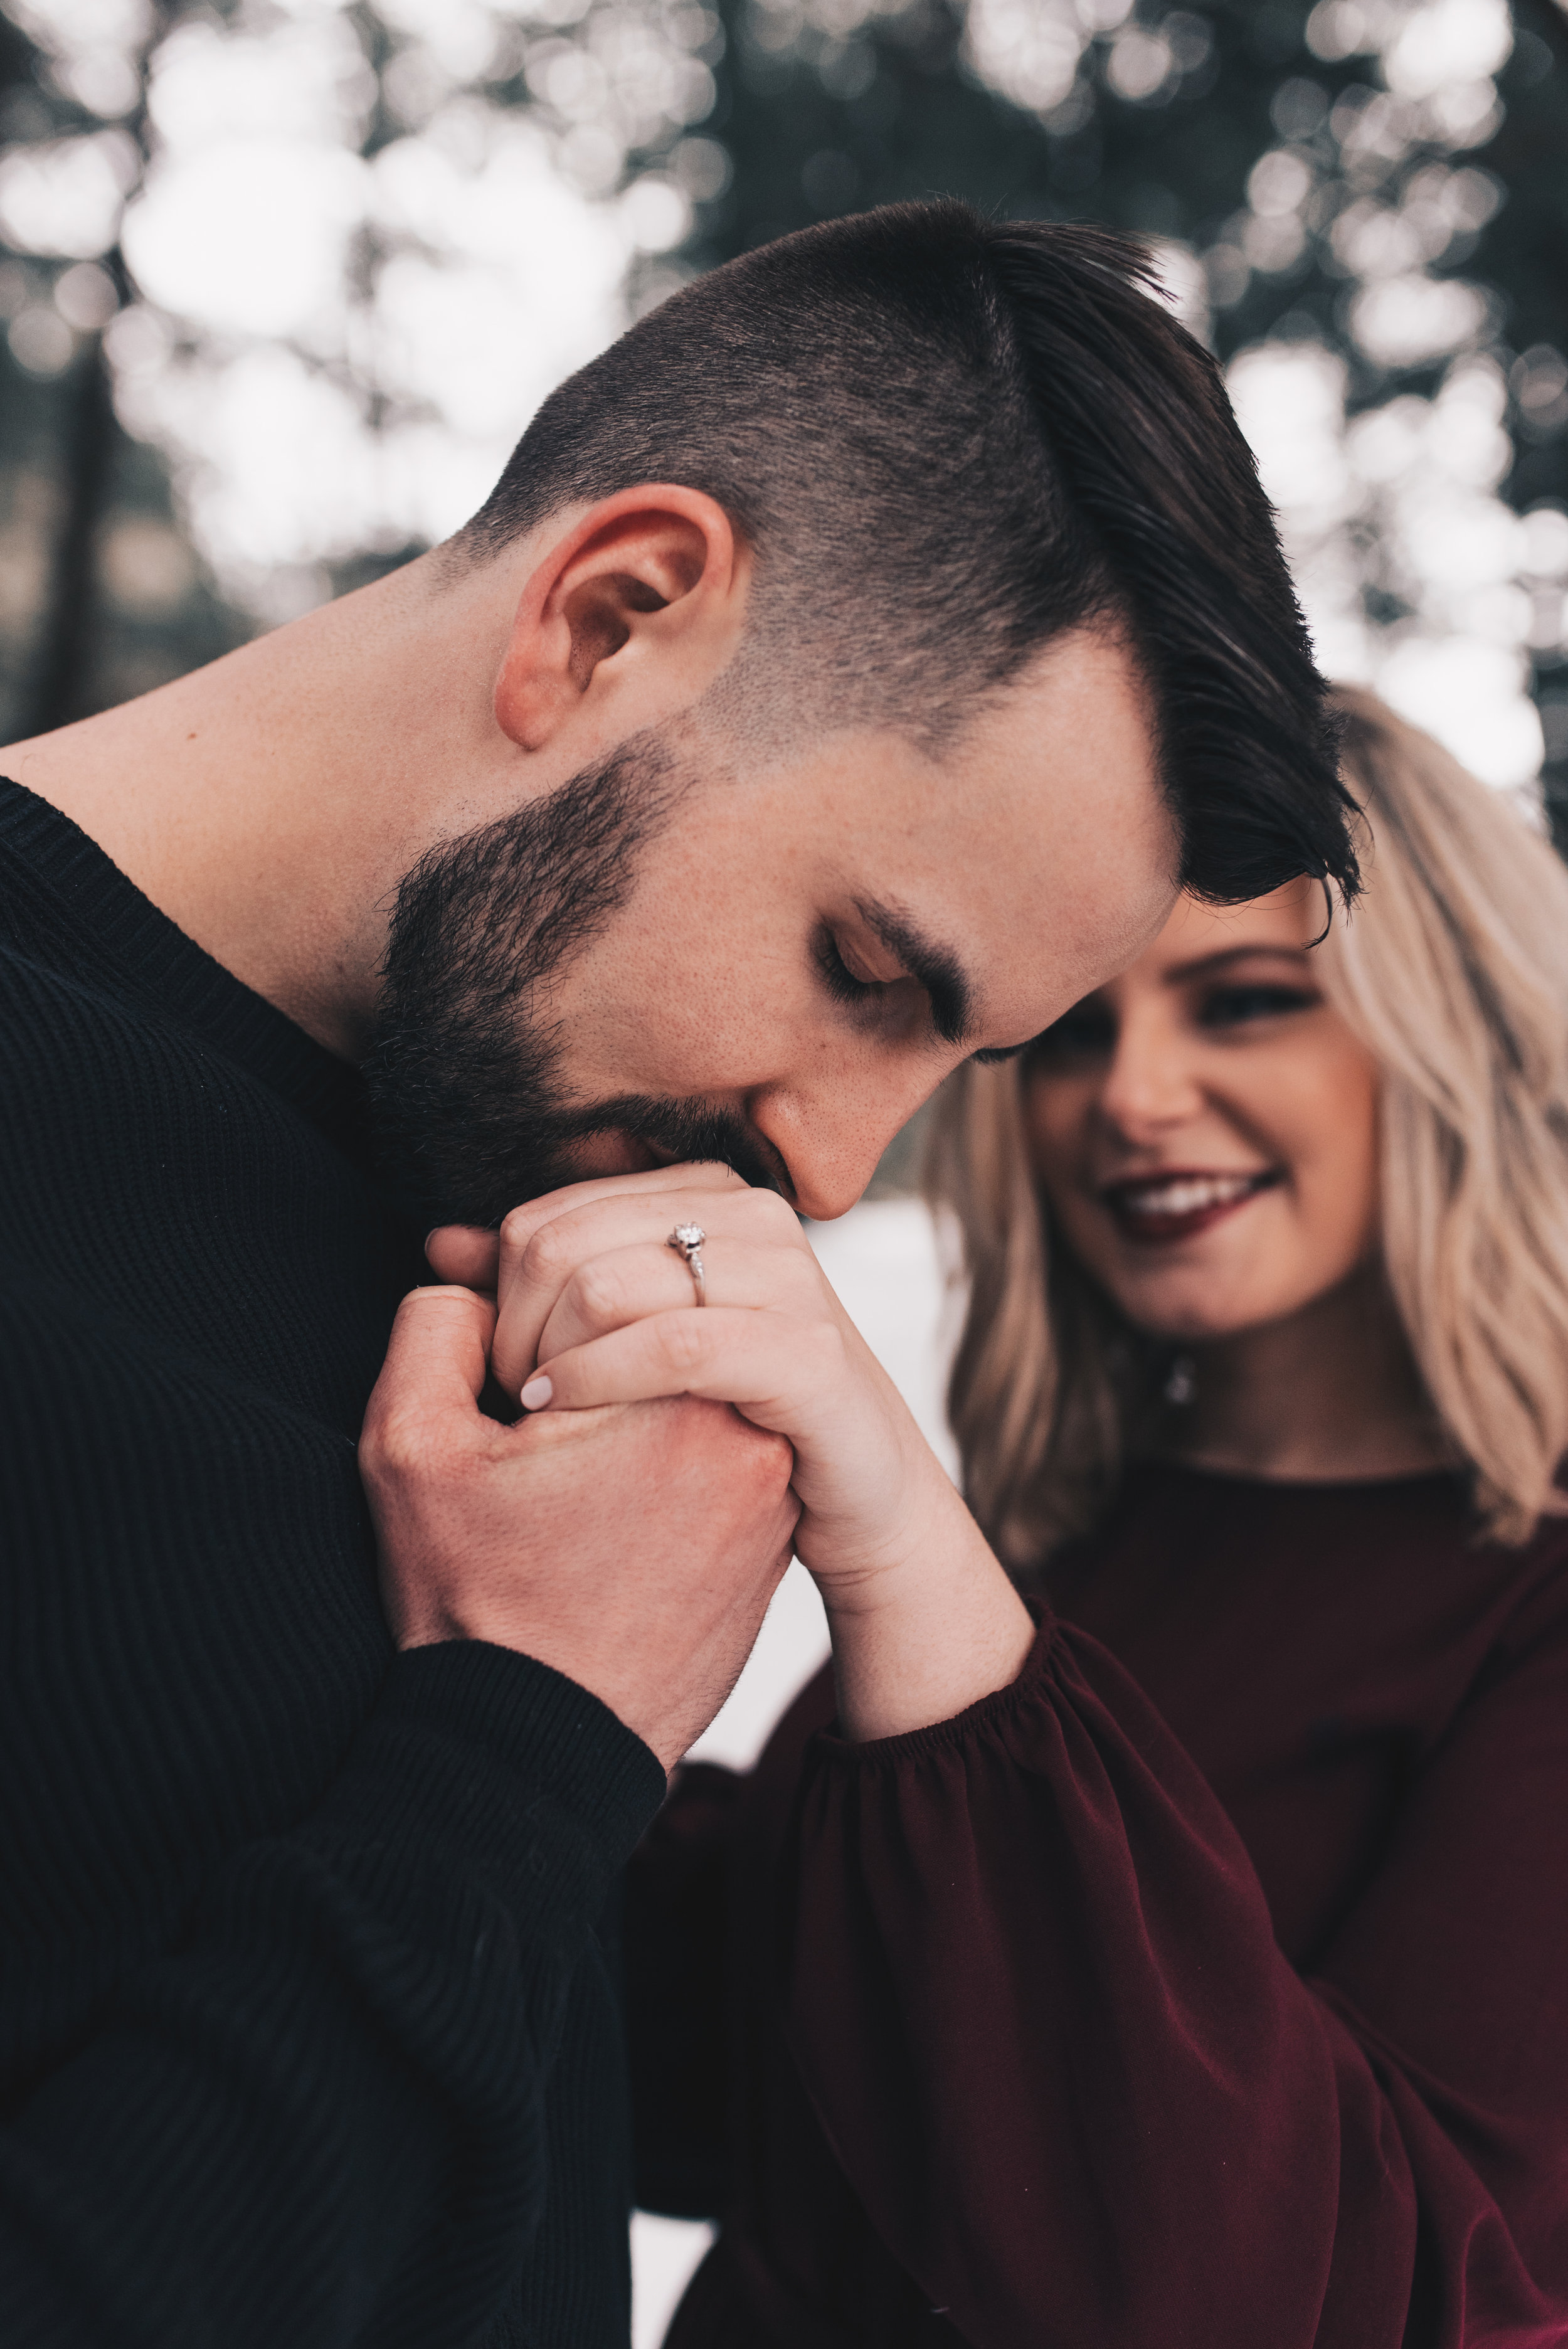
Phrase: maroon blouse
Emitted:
{"points": [[1206, 1989]]}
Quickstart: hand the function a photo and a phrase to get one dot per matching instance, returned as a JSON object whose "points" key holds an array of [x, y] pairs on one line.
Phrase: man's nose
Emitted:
{"points": [[831, 1138]]}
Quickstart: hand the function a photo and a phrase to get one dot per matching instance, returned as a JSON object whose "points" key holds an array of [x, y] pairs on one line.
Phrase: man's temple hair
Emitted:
{"points": [[947, 441]]}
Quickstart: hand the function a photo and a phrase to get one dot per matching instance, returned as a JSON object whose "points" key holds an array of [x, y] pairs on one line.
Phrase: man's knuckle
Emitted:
{"points": [[772, 1461], [691, 1417], [398, 1446]]}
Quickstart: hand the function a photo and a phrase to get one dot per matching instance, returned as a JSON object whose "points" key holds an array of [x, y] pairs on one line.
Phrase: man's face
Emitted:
{"points": [[782, 969]]}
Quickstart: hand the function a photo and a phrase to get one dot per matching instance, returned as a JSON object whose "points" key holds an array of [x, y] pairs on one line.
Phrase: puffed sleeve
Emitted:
{"points": [[1036, 1996]]}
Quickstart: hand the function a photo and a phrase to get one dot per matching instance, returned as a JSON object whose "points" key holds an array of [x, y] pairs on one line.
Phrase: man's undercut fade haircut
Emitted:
{"points": [[947, 441]]}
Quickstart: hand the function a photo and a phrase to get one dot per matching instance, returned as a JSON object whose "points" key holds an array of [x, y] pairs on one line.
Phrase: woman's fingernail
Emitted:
{"points": [[536, 1393]]}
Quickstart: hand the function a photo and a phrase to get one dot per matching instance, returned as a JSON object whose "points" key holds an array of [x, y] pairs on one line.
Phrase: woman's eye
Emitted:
{"points": [[1236, 1007], [1084, 1032]]}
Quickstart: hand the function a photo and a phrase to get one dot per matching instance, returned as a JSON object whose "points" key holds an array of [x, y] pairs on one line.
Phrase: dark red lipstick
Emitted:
{"points": [[1179, 1201]]}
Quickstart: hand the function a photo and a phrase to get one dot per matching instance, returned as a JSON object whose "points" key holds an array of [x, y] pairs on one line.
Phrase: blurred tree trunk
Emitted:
{"points": [[87, 448], [89, 445]]}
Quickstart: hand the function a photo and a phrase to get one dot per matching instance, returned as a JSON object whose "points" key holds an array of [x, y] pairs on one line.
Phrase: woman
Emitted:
{"points": [[1186, 1966]]}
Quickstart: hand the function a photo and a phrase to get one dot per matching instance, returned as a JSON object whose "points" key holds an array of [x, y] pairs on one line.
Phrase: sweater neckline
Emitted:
{"points": [[1409, 1481], [79, 903]]}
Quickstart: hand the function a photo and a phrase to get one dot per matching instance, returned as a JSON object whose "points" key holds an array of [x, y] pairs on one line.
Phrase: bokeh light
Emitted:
{"points": [[354, 275]]}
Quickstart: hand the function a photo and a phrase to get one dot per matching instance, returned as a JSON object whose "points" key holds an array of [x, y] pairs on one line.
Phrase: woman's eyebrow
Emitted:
{"points": [[1202, 965]]}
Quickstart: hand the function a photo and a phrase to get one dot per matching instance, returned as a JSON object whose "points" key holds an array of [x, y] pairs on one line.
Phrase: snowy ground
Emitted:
{"points": [[882, 1259]]}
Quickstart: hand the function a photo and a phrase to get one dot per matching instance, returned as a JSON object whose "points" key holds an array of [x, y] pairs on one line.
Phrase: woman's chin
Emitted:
{"points": [[1243, 1271], [1191, 1305]]}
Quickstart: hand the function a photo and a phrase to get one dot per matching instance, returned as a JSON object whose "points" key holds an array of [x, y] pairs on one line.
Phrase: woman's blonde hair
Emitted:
{"points": [[1453, 972]]}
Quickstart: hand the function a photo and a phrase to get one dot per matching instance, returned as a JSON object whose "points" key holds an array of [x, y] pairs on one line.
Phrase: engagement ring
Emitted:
{"points": [[687, 1240]]}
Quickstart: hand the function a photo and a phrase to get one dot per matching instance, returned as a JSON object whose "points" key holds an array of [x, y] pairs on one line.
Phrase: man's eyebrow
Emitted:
{"points": [[1201, 963], [937, 968]]}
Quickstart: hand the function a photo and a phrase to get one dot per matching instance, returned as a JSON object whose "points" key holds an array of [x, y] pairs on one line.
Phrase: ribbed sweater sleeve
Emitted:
{"points": [[1086, 2101], [679, 1950], [283, 2129], [309, 2027]]}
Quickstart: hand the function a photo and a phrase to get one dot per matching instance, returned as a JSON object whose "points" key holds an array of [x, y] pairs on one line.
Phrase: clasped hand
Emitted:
{"points": [[631, 1528], [591, 1296], [594, 1307]]}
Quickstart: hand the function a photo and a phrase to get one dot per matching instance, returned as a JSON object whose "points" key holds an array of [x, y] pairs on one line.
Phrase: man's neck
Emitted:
{"points": [[270, 803]]}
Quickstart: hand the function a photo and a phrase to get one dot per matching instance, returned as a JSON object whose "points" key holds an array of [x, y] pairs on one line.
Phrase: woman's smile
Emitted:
{"points": [[1211, 1075], [1177, 1202]]}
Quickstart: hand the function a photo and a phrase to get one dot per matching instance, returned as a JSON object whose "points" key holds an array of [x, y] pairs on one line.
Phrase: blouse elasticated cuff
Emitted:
{"points": [[831, 1746]]}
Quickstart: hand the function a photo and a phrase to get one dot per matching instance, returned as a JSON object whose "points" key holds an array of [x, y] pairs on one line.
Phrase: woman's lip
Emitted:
{"points": [[1180, 1202]]}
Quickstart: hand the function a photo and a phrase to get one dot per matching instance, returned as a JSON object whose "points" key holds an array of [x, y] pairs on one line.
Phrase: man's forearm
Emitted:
{"points": [[262, 2139]]}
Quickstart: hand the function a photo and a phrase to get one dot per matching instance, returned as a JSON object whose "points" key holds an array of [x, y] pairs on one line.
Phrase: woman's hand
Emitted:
{"points": [[591, 1295], [592, 1299]]}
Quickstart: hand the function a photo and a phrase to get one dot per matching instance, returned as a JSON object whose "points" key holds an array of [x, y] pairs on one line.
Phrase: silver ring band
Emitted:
{"points": [[687, 1240]]}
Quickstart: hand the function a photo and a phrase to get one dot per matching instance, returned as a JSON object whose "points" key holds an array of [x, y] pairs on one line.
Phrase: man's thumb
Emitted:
{"points": [[437, 1356], [460, 1252]]}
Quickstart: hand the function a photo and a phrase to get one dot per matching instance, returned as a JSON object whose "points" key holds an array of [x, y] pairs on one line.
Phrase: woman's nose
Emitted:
{"points": [[1151, 1085]]}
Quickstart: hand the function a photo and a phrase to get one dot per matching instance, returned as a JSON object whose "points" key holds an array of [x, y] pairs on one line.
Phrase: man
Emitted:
{"points": [[838, 681]]}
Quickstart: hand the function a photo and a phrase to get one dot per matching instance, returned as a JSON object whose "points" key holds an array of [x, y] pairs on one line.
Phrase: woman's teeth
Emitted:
{"points": [[1187, 1195]]}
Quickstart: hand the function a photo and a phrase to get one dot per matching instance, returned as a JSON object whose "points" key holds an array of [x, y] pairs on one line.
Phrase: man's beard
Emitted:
{"points": [[464, 1068]]}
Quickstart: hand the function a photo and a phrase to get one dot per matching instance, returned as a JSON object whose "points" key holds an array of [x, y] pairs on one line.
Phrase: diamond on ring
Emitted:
{"points": [[687, 1240]]}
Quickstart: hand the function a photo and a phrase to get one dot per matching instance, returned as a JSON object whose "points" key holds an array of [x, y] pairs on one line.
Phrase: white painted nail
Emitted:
{"points": [[536, 1393]]}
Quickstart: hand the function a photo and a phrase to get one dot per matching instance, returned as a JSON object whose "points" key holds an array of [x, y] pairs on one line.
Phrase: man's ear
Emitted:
{"points": [[639, 602]]}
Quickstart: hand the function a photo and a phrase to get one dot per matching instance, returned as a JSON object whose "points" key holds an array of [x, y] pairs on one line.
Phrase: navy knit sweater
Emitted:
{"points": [[309, 2030]]}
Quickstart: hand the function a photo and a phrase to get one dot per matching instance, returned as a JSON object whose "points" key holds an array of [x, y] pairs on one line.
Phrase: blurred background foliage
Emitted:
{"points": [[282, 280]]}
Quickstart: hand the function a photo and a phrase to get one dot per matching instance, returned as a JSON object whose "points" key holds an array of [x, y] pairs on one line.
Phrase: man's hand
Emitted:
{"points": [[590, 1294], [634, 1548], [597, 1309]]}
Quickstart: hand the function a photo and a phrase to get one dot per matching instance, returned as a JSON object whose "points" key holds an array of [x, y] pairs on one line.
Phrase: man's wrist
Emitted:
{"points": [[481, 1761]]}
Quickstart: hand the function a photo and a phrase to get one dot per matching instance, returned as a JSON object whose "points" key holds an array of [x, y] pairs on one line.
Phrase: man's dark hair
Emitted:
{"points": [[947, 439]]}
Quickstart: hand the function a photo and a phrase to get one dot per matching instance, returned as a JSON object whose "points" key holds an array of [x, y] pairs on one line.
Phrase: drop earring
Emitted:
{"points": [[1181, 1384]]}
